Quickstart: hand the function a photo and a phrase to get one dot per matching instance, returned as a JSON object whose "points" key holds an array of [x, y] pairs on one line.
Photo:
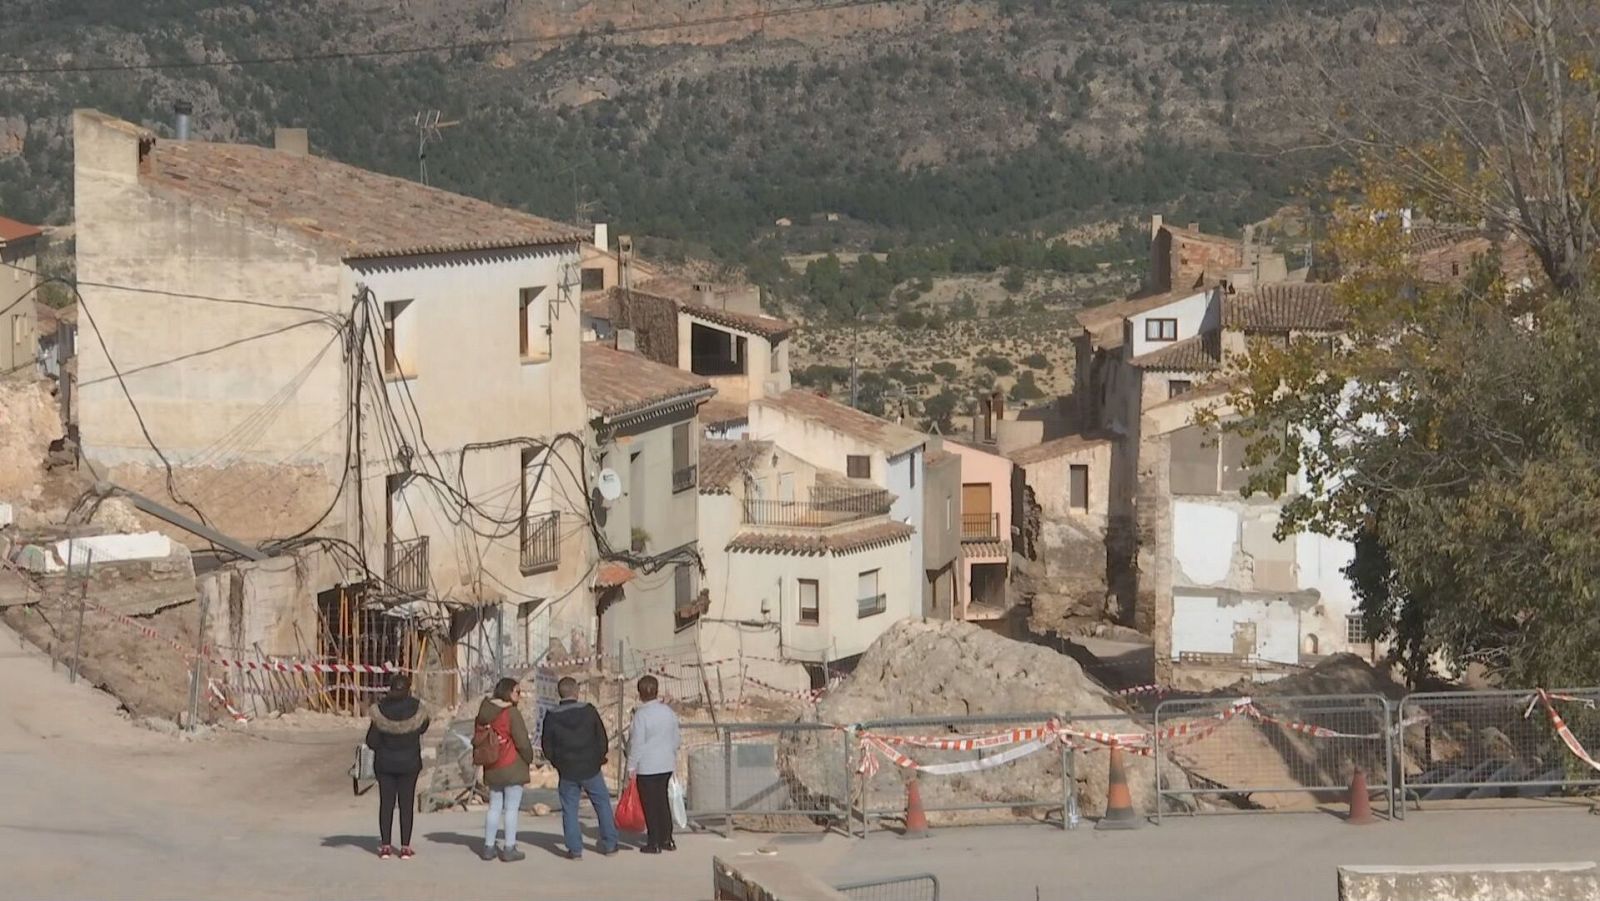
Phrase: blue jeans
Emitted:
{"points": [[507, 802], [599, 799]]}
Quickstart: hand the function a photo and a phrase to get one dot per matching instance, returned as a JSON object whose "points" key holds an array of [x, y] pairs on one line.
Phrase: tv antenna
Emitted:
{"points": [[429, 125]]}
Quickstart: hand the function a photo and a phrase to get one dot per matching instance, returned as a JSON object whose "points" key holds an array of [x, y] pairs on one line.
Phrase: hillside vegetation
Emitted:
{"points": [[915, 121]]}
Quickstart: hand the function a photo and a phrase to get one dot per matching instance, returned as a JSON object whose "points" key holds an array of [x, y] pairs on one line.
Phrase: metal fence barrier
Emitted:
{"points": [[1248, 751], [1032, 782], [921, 887], [759, 771], [1493, 744]]}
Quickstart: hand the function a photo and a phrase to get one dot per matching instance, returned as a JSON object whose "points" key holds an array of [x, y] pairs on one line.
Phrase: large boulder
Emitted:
{"points": [[922, 669]]}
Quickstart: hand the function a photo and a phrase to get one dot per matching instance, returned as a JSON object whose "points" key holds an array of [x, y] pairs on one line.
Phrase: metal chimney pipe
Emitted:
{"points": [[183, 108]]}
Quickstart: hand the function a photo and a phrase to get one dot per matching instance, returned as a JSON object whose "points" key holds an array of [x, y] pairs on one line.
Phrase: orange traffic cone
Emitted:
{"points": [[916, 820], [1360, 802], [1119, 802]]}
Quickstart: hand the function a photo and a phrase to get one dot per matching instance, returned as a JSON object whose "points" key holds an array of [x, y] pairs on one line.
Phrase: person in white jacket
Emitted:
{"points": [[652, 756]]}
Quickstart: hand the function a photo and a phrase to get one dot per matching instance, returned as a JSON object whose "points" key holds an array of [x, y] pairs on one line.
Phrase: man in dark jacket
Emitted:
{"points": [[395, 737], [575, 743]]}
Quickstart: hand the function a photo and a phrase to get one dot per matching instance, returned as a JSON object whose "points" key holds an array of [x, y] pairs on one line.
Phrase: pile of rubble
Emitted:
{"points": [[928, 669]]}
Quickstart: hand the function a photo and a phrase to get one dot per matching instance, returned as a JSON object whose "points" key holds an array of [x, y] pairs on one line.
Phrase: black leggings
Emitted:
{"points": [[657, 812], [392, 788]]}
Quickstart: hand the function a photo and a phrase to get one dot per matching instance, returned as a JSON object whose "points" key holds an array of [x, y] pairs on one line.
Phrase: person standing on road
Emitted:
{"points": [[395, 737], [506, 776], [652, 756], [575, 741]]}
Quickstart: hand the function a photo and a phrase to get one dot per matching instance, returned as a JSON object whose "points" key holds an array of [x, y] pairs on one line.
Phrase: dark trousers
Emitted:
{"points": [[393, 789], [657, 812]]}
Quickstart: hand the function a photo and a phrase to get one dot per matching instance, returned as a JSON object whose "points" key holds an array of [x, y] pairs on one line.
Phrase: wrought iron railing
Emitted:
{"points": [[826, 507], [541, 542], [685, 478], [405, 566], [980, 526], [871, 606]]}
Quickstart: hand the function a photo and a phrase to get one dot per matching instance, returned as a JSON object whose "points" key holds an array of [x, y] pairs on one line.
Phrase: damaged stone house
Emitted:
{"points": [[375, 382], [20, 244], [1139, 519]]}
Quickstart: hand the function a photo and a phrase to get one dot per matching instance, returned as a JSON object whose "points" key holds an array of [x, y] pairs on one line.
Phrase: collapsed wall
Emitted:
{"points": [[928, 669]]}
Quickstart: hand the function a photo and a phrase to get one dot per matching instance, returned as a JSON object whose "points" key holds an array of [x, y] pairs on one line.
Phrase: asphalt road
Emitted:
{"points": [[95, 807]]}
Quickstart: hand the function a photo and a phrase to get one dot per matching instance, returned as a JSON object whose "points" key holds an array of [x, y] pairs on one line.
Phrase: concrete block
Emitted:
{"points": [[767, 880], [111, 548], [1472, 882]]}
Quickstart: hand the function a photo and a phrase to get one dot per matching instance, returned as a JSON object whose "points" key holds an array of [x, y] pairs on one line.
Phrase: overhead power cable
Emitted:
{"points": [[611, 32]]}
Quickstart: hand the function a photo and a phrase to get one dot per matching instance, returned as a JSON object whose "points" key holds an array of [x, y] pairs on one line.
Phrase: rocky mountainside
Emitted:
{"points": [[711, 119]]}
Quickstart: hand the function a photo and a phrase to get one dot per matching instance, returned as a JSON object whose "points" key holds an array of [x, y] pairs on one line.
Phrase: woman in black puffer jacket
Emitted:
{"points": [[395, 737]]}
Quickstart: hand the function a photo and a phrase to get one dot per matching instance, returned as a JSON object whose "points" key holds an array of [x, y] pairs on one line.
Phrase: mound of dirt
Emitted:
{"points": [[1341, 674], [927, 669]]}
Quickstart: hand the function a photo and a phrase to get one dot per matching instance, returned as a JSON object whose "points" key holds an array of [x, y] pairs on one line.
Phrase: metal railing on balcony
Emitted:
{"points": [[826, 507], [870, 606], [405, 566], [541, 542], [685, 478], [980, 526]]}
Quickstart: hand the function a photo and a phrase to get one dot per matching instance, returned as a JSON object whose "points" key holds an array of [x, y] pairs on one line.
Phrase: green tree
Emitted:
{"points": [[996, 364], [1035, 360], [1026, 388], [1014, 280]]}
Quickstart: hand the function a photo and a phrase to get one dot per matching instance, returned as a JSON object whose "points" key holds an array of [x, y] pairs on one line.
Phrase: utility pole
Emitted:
{"points": [[428, 125], [855, 384]]}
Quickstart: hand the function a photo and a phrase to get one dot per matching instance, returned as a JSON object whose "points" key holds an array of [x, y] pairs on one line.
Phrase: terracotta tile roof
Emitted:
{"points": [[888, 437], [1284, 307], [12, 230], [1202, 353], [612, 574], [361, 213], [1192, 234], [724, 462], [1052, 449], [1426, 238], [839, 542], [724, 412], [760, 326], [985, 550], [1097, 319], [616, 383]]}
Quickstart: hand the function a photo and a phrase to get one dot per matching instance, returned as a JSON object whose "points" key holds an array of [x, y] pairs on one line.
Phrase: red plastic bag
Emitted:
{"points": [[630, 812]]}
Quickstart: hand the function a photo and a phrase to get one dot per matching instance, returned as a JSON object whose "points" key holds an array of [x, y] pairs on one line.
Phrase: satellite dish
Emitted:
{"points": [[609, 484]]}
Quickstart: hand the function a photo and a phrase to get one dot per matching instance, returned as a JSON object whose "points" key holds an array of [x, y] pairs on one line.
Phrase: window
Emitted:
{"points": [[1161, 329], [399, 339], [810, 602], [540, 526], [1179, 387], [1355, 629], [1078, 487], [533, 335], [594, 278], [858, 466], [683, 468], [775, 359], [868, 601], [685, 602]]}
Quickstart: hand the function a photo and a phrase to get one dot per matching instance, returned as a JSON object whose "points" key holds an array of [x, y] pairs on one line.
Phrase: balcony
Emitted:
{"points": [[827, 507], [405, 566], [872, 606], [541, 542], [980, 527], [685, 478]]}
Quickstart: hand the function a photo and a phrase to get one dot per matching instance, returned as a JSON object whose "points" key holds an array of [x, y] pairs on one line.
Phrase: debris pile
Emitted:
{"points": [[927, 669]]}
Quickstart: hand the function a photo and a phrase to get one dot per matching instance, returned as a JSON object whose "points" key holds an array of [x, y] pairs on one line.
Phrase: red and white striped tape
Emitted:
{"points": [[1141, 690], [222, 701], [1563, 730]]}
